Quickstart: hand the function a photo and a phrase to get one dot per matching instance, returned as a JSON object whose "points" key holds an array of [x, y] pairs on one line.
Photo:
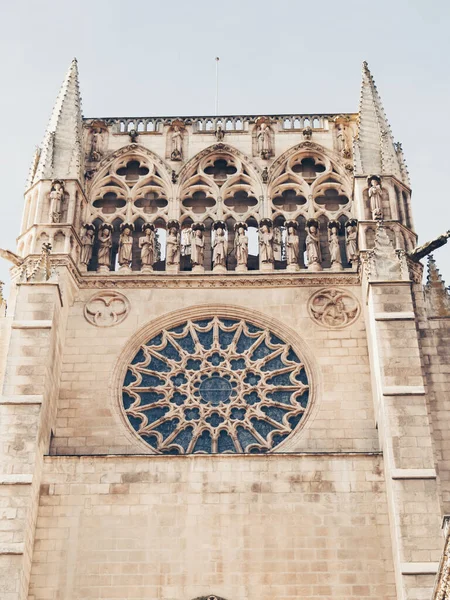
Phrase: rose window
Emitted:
{"points": [[215, 385]]}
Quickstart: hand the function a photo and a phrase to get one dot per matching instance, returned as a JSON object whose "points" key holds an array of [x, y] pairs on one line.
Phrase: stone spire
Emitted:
{"points": [[60, 156], [375, 149], [436, 294]]}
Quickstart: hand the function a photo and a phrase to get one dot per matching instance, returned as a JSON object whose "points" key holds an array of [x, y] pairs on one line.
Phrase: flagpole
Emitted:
{"points": [[217, 86]]}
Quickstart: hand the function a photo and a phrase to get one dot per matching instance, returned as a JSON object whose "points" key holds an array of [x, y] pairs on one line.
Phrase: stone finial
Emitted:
{"points": [[436, 294], [385, 263], [375, 150], [40, 270], [61, 156]]}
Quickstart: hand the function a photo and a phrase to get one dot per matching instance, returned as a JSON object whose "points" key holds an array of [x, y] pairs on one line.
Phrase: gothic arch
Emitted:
{"points": [[311, 181], [131, 184], [218, 183]]}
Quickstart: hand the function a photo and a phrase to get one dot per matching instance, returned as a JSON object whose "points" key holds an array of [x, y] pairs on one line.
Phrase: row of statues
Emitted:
{"points": [[149, 254]]}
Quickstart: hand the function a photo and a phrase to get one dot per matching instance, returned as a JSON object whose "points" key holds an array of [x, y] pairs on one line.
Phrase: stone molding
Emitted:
{"points": [[413, 474], [31, 399], [419, 568]]}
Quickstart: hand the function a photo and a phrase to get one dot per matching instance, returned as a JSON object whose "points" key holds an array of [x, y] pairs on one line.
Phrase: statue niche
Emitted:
{"points": [[263, 138], [97, 135], [175, 141]]}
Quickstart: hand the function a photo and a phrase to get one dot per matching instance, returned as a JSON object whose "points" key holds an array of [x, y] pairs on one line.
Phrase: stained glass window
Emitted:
{"points": [[215, 385]]}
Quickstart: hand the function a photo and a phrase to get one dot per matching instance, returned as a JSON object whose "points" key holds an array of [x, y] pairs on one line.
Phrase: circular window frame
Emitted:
{"points": [[178, 317]]}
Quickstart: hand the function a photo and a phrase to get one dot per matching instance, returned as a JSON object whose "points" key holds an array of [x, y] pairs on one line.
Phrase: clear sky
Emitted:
{"points": [[147, 58]]}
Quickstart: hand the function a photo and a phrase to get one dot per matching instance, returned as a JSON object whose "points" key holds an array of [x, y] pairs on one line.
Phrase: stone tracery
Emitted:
{"points": [[216, 385]]}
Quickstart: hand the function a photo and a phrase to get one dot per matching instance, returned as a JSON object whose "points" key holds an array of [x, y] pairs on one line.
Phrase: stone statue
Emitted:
{"points": [[197, 246], [147, 247], [313, 254], [125, 246], [219, 133], [173, 247], [375, 197], [87, 243], [104, 248], [220, 247], [342, 143], [96, 144], [265, 244], [333, 242], [177, 143], [264, 141], [351, 242], [241, 245], [56, 200], [292, 246]]}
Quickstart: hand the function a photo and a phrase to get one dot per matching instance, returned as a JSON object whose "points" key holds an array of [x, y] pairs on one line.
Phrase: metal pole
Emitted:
{"points": [[217, 86]]}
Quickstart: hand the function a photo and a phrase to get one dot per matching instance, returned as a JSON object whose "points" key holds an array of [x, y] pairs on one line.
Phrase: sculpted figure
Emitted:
{"points": [[219, 133], [333, 241], [375, 195], [265, 244], [104, 249], [125, 246], [264, 141], [241, 246], [351, 242], [173, 247], [147, 246], [197, 247], [313, 253], [87, 243], [343, 148], [56, 200], [96, 144], [220, 246], [177, 143], [292, 246]]}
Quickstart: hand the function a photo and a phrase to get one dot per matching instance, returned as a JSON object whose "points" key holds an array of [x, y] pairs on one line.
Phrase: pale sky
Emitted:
{"points": [[146, 58]]}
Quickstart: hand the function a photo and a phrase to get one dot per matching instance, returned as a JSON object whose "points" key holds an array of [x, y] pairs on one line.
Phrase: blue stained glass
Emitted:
{"points": [[136, 422], [252, 398], [205, 338], [150, 381], [187, 343], [178, 398], [238, 414], [129, 378], [178, 379], [245, 437], [282, 379], [158, 365], [275, 413], [225, 442], [127, 400], [244, 343], [261, 351], [156, 341], [193, 365], [238, 364], [139, 358], [184, 438], [273, 364], [149, 398], [204, 443], [191, 413], [153, 414], [283, 396], [215, 420], [215, 359], [170, 352], [262, 427], [292, 356], [167, 428], [192, 396], [252, 378]]}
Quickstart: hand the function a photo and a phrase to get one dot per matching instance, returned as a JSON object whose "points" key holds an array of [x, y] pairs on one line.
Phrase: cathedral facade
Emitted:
{"points": [[221, 376]]}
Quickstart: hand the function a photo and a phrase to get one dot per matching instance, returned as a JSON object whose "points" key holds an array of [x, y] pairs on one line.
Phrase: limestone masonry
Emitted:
{"points": [[221, 375]]}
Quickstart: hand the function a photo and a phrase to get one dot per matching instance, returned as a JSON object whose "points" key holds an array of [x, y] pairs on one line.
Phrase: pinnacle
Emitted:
{"points": [[437, 294]]}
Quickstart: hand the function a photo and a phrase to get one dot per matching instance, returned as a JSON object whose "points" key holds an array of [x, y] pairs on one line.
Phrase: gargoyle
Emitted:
{"points": [[425, 249], [13, 258]]}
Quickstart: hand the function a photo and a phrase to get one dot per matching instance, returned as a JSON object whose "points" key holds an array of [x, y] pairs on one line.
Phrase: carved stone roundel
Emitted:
{"points": [[333, 307], [215, 385], [106, 309]]}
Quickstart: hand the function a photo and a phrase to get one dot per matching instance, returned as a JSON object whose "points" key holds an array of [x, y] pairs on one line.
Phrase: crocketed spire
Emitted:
{"points": [[436, 293], [60, 156], [375, 149]]}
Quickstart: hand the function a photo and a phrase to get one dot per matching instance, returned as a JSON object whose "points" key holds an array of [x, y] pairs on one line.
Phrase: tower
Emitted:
{"points": [[221, 376]]}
